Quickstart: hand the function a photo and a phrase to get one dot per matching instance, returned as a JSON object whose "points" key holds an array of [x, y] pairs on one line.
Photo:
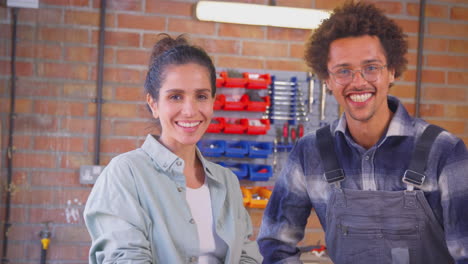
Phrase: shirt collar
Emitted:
{"points": [[165, 158], [402, 124]]}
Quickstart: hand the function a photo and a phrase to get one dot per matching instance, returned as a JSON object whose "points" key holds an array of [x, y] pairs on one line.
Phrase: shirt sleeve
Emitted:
{"points": [[453, 182], [118, 226], [285, 217]]}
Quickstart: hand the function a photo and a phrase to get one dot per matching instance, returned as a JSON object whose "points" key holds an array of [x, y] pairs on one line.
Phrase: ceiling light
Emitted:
{"points": [[261, 15]]}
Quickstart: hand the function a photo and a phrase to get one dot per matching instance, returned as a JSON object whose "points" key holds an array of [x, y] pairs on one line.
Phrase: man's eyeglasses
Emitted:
{"points": [[345, 76]]}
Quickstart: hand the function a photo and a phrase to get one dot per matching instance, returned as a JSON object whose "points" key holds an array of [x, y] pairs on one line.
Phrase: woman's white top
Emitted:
{"points": [[212, 248]]}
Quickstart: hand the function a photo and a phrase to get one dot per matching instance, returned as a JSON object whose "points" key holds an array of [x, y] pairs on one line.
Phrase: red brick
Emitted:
{"points": [[63, 35], [82, 54], [447, 29], [389, 7], [66, 3], [241, 31], [132, 128], [19, 232], [436, 11], [68, 144], [123, 5], [71, 234], [37, 88], [191, 26], [23, 105], [169, 8], [296, 3], [55, 178], [74, 197], [5, 31], [120, 39], [78, 90], [454, 1], [85, 18], [444, 94], [17, 215], [459, 46], [459, 13], [63, 70], [5, 51], [216, 45], [78, 125], [117, 110], [432, 44], [286, 65], [239, 62], [403, 91], [120, 75], [141, 22], [431, 110], [36, 123], [313, 237], [117, 145], [287, 34], [328, 4], [19, 179], [412, 58], [40, 215], [296, 51], [62, 108], [409, 26], [456, 111], [129, 94], [16, 250], [22, 142], [135, 57], [29, 160], [458, 78], [25, 32], [447, 61], [22, 68], [41, 15], [41, 51], [455, 127], [28, 196], [264, 49], [75, 161], [65, 251]]}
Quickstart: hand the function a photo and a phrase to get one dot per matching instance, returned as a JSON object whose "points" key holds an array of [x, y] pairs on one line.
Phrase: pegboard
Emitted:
{"points": [[316, 117]]}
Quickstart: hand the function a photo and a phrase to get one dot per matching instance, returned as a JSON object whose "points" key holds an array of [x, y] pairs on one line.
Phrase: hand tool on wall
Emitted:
{"points": [[45, 235], [323, 99], [310, 90]]}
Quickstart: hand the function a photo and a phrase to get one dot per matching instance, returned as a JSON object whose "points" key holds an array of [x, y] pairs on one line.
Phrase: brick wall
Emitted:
{"points": [[56, 66]]}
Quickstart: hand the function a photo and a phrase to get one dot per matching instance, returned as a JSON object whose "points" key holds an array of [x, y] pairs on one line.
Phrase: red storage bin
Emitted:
{"points": [[234, 126], [217, 125], [257, 81], [256, 106], [219, 80], [256, 126], [233, 82], [219, 102]]}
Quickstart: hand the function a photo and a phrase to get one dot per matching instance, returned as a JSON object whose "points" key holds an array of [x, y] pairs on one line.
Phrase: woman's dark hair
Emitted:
{"points": [[168, 52], [354, 20]]}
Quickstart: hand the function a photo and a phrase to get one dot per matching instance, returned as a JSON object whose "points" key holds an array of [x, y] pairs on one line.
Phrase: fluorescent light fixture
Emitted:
{"points": [[261, 15]]}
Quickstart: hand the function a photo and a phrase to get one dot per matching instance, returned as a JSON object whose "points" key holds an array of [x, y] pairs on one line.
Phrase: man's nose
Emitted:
{"points": [[358, 78]]}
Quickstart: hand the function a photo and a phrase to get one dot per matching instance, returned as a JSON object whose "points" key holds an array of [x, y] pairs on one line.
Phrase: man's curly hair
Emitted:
{"points": [[354, 20]]}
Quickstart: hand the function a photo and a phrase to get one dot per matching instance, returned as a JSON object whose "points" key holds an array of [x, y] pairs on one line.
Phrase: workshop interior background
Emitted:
{"points": [[55, 106]]}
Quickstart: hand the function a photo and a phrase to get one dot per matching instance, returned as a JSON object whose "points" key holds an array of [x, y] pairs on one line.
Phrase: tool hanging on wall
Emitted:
{"points": [[45, 235], [323, 100]]}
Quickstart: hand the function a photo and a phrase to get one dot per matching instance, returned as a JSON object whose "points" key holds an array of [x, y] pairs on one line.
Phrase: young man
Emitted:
{"points": [[379, 198]]}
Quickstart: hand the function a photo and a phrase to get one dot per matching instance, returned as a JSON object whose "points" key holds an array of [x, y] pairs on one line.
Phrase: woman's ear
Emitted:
{"points": [[153, 105]]}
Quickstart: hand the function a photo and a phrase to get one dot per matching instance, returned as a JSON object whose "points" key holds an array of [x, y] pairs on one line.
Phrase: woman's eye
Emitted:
{"points": [[175, 97], [202, 97]]}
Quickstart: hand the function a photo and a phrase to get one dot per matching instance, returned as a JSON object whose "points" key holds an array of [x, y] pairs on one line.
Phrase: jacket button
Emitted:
{"points": [[178, 163], [180, 189], [193, 259], [192, 221]]}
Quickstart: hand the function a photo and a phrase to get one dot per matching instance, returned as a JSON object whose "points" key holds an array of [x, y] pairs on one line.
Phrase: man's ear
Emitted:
{"points": [[153, 105], [391, 75]]}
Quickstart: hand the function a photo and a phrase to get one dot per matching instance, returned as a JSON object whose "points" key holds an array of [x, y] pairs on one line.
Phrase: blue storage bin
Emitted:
{"points": [[241, 170], [212, 148], [236, 149], [260, 172], [260, 149]]}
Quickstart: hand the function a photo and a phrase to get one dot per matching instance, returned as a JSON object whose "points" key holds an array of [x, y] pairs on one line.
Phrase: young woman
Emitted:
{"points": [[163, 202]]}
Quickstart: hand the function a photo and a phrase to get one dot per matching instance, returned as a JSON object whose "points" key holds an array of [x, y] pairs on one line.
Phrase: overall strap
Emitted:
{"points": [[414, 175], [326, 147]]}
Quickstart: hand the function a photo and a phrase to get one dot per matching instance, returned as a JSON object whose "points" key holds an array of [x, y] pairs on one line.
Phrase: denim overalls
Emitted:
{"points": [[382, 227]]}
